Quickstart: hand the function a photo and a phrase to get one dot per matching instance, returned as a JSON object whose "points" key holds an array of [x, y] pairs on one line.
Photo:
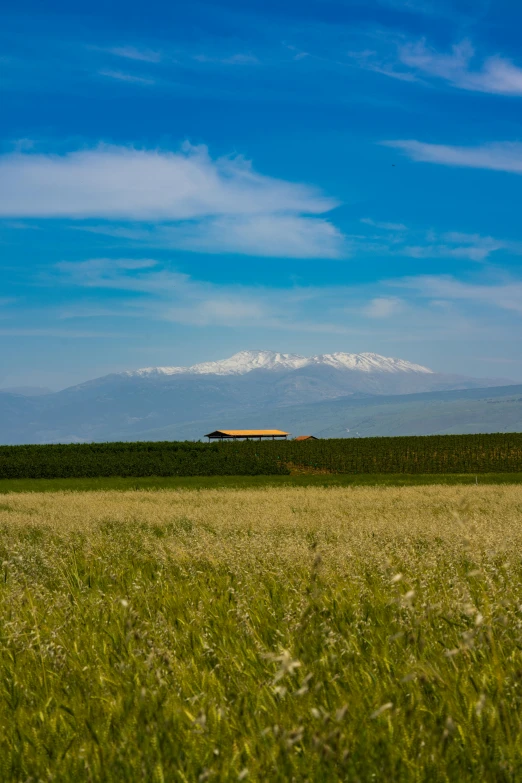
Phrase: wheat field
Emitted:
{"points": [[292, 634]]}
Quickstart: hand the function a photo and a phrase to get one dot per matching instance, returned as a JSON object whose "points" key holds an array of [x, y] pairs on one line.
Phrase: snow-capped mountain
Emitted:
{"points": [[260, 387], [247, 361]]}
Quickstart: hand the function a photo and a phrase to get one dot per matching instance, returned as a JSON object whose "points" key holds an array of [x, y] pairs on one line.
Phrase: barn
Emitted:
{"points": [[247, 435], [306, 437]]}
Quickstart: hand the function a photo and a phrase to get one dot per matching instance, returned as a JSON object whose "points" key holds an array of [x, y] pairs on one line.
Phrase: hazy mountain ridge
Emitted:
{"points": [[430, 413], [26, 391], [252, 386]]}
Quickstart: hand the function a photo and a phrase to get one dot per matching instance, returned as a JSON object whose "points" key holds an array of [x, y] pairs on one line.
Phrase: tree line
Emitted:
{"points": [[488, 453]]}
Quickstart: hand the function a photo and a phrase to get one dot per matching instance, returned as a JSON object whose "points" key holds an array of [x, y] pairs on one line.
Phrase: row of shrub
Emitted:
{"points": [[484, 453], [493, 453], [136, 459]]}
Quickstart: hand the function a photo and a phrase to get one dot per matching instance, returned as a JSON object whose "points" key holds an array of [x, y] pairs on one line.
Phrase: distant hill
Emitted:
{"points": [[332, 395], [26, 391], [431, 413]]}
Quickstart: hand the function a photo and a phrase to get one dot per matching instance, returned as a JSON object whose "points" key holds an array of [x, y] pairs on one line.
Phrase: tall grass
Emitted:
{"points": [[269, 634]]}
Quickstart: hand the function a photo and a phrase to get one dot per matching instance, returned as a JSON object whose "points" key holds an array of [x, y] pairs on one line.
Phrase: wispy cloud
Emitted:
{"points": [[173, 296], [293, 236], [499, 156], [398, 239], [126, 77], [95, 271], [283, 236], [133, 53], [505, 295], [371, 60], [188, 199], [270, 235], [494, 75], [383, 307], [297, 52], [416, 61], [241, 59], [421, 308], [458, 245], [124, 182], [385, 226]]}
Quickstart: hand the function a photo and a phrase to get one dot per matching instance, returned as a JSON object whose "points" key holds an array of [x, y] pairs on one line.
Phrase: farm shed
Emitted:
{"points": [[306, 437], [246, 434]]}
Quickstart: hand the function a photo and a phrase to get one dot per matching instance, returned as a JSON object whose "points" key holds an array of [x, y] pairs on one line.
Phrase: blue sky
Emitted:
{"points": [[180, 181]]}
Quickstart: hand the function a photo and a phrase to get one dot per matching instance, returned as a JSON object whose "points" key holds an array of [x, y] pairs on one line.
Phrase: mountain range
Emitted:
{"points": [[330, 395], [247, 361]]}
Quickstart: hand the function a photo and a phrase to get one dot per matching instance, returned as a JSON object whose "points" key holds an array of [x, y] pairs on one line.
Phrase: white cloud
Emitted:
{"points": [[458, 245], [125, 183], [505, 295], [126, 77], [97, 270], [423, 309], [173, 296], [289, 236], [446, 251], [270, 235], [416, 61], [383, 307], [477, 247], [496, 74], [193, 202], [369, 60], [222, 311], [430, 244], [499, 156], [421, 57]]}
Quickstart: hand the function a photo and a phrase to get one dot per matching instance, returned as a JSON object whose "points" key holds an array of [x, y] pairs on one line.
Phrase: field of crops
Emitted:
{"points": [[284, 634], [138, 459], [497, 453]]}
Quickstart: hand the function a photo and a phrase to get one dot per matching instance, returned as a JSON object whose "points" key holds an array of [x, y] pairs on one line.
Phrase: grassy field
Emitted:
{"points": [[267, 634], [252, 482]]}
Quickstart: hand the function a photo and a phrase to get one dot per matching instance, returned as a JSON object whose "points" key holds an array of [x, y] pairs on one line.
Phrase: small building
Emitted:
{"points": [[306, 437], [247, 435]]}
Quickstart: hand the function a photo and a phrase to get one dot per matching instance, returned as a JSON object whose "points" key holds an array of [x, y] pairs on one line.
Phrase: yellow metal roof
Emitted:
{"points": [[251, 433]]}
